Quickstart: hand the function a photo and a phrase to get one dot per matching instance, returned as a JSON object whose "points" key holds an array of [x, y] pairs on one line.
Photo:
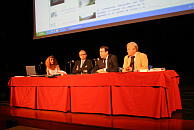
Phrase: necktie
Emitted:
{"points": [[132, 62], [104, 63], [81, 64]]}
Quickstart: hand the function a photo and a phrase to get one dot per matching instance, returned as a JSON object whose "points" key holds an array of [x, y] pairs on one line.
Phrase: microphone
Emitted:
{"points": [[41, 63], [96, 59], [72, 61], [40, 68]]}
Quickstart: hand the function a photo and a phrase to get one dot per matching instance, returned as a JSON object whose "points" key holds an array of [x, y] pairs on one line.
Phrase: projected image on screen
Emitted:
{"points": [[83, 3], [56, 2], [70, 16], [53, 14], [87, 16]]}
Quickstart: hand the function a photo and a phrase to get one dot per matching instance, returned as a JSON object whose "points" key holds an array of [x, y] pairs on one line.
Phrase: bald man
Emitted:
{"points": [[83, 64]]}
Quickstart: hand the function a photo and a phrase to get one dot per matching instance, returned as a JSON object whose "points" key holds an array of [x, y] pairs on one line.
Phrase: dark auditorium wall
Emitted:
{"points": [[165, 41]]}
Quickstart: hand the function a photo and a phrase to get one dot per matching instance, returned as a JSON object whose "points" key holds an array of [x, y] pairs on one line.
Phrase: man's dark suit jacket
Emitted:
{"points": [[112, 64], [86, 66]]}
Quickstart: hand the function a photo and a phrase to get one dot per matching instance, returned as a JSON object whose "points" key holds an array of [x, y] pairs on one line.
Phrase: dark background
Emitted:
{"points": [[167, 42]]}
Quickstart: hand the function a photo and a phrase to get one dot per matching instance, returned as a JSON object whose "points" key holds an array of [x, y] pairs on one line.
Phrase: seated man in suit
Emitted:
{"points": [[83, 64], [134, 59], [106, 63]]}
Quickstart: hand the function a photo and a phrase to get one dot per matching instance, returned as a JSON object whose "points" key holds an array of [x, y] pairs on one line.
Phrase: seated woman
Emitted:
{"points": [[51, 65]]}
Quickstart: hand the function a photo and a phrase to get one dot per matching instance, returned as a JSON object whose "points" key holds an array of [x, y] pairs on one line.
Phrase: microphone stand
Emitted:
{"points": [[65, 67], [70, 67], [69, 64], [92, 65], [95, 60], [40, 69]]}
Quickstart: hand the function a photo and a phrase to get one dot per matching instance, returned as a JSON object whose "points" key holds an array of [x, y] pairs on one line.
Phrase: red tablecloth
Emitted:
{"points": [[23, 96], [40, 93], [39, 81], [53, 98], [91, 99], [152, 94], [90, 93]]}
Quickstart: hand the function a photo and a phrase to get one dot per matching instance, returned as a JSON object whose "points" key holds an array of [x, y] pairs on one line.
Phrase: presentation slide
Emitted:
{"points": [[55, 16]]}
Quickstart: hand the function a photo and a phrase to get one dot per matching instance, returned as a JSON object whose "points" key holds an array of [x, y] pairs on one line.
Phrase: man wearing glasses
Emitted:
{"points": [[82, 66]]}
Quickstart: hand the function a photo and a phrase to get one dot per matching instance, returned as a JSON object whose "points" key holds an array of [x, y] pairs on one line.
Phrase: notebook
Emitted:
{"points": [[30, 70]]}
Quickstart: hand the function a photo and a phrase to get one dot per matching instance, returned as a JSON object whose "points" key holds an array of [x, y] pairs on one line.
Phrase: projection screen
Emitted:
{"points": [[58, 17]]}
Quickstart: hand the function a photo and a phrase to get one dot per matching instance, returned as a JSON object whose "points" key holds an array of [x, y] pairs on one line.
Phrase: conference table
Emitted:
{"points": [[151, 94]]}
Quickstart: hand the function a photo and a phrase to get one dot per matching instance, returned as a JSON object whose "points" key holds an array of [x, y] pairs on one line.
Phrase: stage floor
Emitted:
{"points": [[26, 117], [182, 119]]}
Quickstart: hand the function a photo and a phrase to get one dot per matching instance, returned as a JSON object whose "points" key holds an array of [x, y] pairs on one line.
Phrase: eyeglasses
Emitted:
{"points": [[82, 54]]}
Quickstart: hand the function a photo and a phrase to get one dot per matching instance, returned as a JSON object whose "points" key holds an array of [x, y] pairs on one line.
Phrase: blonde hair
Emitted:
{"points": [[48, 64], [133, 44]]}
